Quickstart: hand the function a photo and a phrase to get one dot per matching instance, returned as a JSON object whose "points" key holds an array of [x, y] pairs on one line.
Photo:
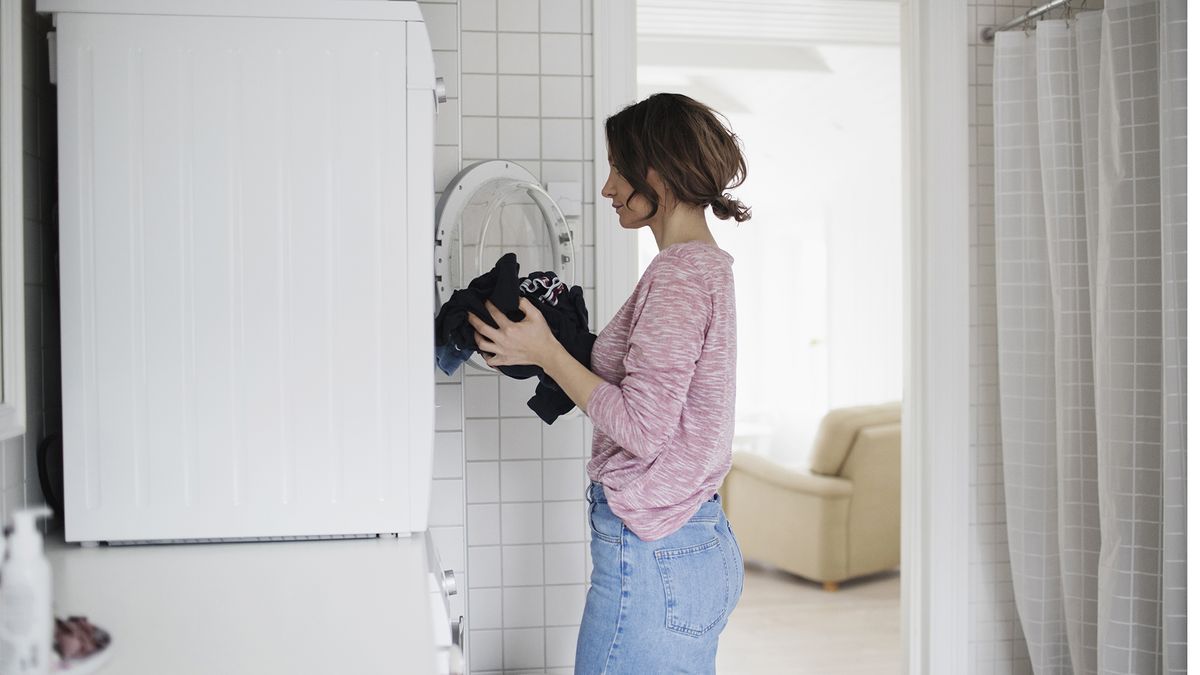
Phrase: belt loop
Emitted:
{"points": [[587, 492]]}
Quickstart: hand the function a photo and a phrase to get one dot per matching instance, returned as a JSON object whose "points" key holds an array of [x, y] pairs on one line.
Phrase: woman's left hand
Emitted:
{"points": [[514, 343]]}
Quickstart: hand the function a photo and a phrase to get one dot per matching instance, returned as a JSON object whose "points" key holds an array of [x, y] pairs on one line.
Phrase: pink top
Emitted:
{"points": [[663, 416]]}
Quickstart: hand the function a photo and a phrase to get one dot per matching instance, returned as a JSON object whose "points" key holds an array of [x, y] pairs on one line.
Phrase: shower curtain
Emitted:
{"points": [[1090, 131]]}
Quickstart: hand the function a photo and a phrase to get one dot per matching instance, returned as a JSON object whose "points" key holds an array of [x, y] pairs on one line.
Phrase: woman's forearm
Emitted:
{"points": [[572, 376]]}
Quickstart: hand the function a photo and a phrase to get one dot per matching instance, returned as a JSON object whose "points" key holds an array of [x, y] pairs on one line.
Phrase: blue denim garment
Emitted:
{"points": [[657, 606], [449, 357]]}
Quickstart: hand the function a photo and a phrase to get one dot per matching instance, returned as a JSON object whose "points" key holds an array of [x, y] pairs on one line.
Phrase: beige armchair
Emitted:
{"points": [[838, 519]]}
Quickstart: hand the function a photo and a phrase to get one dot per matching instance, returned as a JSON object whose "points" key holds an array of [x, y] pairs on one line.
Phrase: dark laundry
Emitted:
{"points": [[563, 308], [454, 339]]}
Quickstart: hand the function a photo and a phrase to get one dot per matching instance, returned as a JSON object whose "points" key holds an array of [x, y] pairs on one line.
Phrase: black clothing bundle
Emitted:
{"points": [[564, 310]]}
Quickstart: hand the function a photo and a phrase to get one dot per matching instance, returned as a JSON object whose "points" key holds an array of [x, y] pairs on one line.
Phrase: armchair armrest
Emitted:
{"points": [[797, 480]]}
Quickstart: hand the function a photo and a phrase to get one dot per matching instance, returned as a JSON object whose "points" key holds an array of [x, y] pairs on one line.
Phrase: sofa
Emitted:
{"points": [[837, 519]]}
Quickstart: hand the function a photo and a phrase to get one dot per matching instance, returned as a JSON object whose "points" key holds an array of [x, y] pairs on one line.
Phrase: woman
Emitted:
{"points": [[667, 570]]}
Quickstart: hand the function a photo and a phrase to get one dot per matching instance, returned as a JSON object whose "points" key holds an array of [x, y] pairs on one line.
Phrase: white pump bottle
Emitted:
{"points": [[26, 617]]}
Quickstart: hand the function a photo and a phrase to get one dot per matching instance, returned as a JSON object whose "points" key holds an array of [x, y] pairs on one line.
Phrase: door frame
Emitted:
{"points": [[935, 473]]}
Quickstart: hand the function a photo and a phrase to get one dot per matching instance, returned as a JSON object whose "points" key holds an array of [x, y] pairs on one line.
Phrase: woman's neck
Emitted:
{"points": [[682, 224]]}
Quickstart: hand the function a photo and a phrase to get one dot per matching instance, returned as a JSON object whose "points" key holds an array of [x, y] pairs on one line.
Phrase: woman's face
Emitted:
{"points": [[631, 209]]}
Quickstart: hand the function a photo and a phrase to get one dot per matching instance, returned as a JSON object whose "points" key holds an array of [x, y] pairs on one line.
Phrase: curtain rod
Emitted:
{"points": [[989, 33]]}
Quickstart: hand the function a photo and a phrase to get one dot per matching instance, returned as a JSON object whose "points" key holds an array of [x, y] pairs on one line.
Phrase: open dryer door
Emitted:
{"points": [[492, 208]]}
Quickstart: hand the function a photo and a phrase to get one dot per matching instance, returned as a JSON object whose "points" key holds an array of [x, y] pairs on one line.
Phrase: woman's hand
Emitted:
{"points": [[514, 343]]}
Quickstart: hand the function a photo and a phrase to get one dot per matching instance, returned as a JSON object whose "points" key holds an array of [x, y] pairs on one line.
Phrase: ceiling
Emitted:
{"points": [[770, 22]]}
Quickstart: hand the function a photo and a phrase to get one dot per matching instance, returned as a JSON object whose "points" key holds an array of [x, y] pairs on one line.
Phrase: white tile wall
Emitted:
{"points": [[19, 485], [519, 95], [524, 649], [523, 565], [485, 651], [478, 15], [517, 15], [446, 504], [562, 54], [485, 563], [524, 607], [482, 395], [566, 521], [483, 482], [518, 53], [566, 438], [483, 439], [478, 53], [520, 438], [521, 481], [514, 394], [486, 605], [564, 563], [515, 75], [483, 524], [448, 454], [559, 479], [561, 17], [560, 649], [441, 20], [519, 137], [448, 132], [564, 604], [451, 547], [479, 94], [997, 644], [562, 96], [521, 523]]}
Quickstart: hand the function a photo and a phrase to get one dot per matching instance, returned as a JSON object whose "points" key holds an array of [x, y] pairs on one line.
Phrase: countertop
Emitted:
{"points": [[327, 606]]}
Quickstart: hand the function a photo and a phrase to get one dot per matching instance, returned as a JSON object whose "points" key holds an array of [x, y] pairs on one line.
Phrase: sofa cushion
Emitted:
{"points": [[838, 430]]}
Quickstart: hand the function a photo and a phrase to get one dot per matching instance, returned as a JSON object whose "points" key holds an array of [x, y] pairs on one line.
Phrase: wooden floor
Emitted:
{"points": [[784, 624]]}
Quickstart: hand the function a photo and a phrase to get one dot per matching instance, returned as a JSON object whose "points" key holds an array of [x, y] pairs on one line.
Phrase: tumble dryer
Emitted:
{"points": [[246, 232]]}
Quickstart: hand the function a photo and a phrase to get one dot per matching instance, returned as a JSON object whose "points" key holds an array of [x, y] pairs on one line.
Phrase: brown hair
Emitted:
{"points": [[697, 156]]}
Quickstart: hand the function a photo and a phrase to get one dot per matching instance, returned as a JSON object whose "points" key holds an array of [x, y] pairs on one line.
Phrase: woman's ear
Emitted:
{"points": [[660, 187]]}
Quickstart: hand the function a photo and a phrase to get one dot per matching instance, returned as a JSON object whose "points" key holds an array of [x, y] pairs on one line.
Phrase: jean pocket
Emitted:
{"points": [[600, 531], [696, 581]]}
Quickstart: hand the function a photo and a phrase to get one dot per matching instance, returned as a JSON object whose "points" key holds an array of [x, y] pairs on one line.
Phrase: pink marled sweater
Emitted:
{"points": [[663, 416]]}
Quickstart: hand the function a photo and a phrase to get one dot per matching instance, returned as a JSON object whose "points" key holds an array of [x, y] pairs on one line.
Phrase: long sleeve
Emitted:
{"points": [[643, 412]]}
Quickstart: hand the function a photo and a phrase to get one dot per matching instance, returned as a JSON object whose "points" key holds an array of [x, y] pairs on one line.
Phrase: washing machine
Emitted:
{"points": [[495, 207]]}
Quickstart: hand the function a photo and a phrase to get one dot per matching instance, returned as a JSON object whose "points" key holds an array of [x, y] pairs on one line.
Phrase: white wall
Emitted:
{"points": [[508, 501], [19, 485]]}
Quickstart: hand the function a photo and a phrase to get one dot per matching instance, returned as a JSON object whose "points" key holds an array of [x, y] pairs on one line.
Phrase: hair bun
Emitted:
{"points": [[726, 207]]}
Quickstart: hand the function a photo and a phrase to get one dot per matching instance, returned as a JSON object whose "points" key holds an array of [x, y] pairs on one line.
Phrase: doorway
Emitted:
{"points": [[814, 98], [935, 308]]}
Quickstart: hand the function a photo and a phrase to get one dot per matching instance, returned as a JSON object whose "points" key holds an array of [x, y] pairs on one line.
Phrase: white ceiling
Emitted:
{"points": [[787, 22]]}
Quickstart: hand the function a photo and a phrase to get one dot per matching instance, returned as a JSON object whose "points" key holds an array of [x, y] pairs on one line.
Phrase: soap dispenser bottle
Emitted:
{"points": [[26, 617]]}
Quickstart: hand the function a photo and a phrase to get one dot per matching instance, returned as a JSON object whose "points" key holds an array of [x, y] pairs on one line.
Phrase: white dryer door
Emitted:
{"points": [[492, 208]]}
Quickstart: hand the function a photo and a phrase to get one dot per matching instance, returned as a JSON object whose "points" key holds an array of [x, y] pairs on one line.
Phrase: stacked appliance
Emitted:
{"points": [[246, 233]]}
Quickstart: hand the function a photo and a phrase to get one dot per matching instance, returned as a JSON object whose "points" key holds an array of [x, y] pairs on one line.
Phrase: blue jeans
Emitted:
{"points": [[449, 358], [657, 606]]}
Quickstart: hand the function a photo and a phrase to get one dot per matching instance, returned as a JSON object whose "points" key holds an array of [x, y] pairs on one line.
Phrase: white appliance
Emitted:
{"points": [[497, 206], [247, 227]]}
